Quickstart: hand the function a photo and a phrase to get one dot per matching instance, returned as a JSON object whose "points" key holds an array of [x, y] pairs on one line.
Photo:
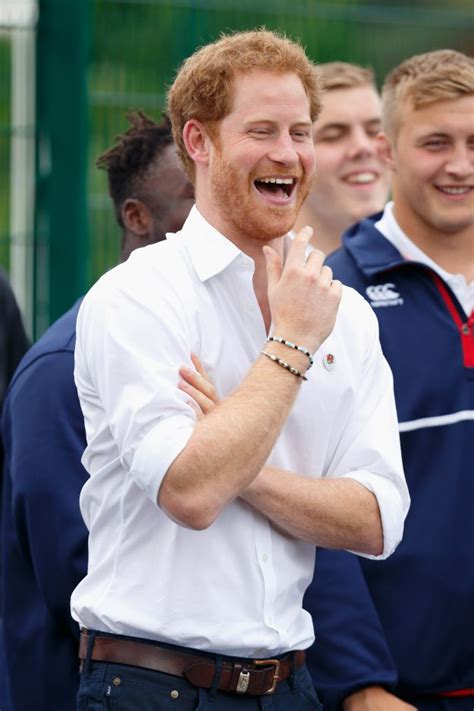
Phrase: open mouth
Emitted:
{"points": [[280, 189]]}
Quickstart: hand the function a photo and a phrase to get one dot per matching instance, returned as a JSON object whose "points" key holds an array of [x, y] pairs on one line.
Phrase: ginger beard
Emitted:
{"points": [[236, 198]]}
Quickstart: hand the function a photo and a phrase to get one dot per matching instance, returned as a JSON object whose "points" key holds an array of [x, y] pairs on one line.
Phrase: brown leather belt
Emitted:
{"points": [[255, 677]]}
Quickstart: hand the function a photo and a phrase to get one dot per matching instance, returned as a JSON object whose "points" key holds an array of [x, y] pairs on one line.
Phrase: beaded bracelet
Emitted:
{"points": [[305, 351], [285, 365]]}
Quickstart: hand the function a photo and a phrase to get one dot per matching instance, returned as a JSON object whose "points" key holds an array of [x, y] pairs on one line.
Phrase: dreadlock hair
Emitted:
{"points": [[129, 160]]}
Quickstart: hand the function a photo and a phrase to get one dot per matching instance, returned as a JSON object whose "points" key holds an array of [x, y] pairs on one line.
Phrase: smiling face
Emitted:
{"points": [[261, 163], [351, 181], [433, 163]]}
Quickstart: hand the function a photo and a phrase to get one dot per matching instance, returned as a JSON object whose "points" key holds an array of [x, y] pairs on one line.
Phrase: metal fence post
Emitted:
{"points": [[61, 120]]}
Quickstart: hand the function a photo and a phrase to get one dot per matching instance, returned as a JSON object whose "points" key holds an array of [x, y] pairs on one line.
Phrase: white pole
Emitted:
{"points": [[23, 17]]}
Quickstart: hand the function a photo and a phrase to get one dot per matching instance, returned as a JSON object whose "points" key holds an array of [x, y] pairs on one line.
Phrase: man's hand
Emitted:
{"points": [[375, 698], [302, 294], [198, 385]]}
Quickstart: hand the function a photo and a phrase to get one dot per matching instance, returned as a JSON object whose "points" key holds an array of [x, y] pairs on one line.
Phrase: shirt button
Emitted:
{"points": [[174, 694], [116, 681], [264, 557]]}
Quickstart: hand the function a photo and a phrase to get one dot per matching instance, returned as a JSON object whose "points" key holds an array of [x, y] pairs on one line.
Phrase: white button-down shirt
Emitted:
{"points": [[237, 586]]}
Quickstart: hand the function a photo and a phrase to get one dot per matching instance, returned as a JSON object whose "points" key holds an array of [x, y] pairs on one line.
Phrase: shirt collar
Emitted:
{"points": [[210, 252], [390, 229]]}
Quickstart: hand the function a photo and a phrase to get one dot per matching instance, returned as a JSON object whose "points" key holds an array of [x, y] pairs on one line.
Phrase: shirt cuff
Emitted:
{"points": [[393, 510], [158, 450]]}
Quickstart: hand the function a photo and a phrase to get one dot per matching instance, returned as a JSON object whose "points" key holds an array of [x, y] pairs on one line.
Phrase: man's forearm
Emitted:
{"points": [[332, 513], [229, 446]]}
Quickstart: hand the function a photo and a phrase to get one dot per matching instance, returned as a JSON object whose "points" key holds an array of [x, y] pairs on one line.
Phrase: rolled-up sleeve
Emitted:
{"points": [[369, 449], [161, 445]]}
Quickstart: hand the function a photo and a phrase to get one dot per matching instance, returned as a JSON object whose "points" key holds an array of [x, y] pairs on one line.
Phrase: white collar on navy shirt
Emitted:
{"points": [[390, 229]]}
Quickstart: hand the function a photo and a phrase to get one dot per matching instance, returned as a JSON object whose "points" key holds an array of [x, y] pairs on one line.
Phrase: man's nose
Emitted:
{"points": [[461, 162], [283, 150], [361, 144]]}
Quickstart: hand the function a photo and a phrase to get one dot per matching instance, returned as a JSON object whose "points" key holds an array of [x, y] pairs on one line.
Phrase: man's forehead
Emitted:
{"points": [[443, 116], [348, 104], [266, 84]]}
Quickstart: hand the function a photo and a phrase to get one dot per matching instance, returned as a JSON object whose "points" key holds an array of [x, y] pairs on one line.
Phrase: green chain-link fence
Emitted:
{"points": [[131, 49]]}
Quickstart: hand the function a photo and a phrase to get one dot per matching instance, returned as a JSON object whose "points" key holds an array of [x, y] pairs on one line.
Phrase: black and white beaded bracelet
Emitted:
{"points": [[285, 365], [284, 342]]}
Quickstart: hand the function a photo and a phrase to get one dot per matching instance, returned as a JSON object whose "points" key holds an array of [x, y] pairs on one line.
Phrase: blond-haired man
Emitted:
{"points": [[415, 265], [351, 180], [202, 532]]}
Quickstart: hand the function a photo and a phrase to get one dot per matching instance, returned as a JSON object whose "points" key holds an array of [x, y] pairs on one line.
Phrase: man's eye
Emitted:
{"points": [[435, 145], [329, 137], [300, 134]]}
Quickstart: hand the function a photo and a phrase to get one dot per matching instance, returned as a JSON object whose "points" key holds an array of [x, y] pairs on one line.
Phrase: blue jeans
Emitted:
{"points": [[117, 687]]}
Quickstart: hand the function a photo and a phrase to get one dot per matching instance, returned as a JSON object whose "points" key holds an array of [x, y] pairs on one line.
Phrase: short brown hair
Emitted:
{"points": [[203, 86], [342, 75], [424, 79]]}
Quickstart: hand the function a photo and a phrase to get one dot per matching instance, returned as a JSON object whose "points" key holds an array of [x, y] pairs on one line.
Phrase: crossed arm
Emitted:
{"points": [[332, 513]]}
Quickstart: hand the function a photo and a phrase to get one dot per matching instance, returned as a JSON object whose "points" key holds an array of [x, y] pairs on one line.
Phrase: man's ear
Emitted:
{"points": [[197, 141], [136, 217], [385, 150]]}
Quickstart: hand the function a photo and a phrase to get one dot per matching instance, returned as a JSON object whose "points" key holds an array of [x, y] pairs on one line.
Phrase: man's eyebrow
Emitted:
{"points": [[375, 120], [262, 119], [334, 124], [433, 133], [339, 125]]}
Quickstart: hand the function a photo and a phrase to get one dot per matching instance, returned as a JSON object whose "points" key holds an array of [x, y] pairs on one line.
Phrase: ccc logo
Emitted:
{"points": [[382, 292]]}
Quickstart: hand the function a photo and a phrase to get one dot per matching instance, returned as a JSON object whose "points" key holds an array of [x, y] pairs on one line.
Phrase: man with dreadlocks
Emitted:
{"points": [[45, 540]]}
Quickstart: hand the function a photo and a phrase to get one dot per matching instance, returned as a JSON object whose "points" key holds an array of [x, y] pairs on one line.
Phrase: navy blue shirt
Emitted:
{"points": [[424, 593], [44, 537]]}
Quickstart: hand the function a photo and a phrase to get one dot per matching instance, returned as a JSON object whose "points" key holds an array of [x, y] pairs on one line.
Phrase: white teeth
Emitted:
{"points": [[278, 181], [461, 190], [361, 178]]}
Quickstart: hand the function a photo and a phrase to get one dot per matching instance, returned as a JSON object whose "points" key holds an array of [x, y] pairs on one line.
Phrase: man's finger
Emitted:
{"points": [[205, 404], [274, 266], [325, 276], [315, 260], [297, 252], [199, 367], [198, 381]]}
